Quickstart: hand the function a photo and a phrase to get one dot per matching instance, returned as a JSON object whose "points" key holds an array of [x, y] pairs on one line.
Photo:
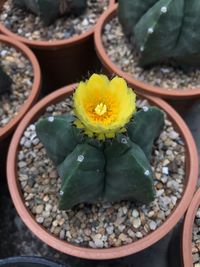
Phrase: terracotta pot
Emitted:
{"points": [[113, 2], [10, 126], [173, 95], [63, 61], [187, 230], [28, 262], [110, 253]]}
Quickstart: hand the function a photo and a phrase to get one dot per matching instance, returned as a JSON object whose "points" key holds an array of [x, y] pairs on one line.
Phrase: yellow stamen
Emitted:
{"points": [[101, 109]]}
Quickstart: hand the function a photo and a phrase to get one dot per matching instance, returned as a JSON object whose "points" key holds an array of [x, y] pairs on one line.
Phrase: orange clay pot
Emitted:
{"points": [[180, 99], [110, 253], [63, 61], [10, 126], [187, 230]]}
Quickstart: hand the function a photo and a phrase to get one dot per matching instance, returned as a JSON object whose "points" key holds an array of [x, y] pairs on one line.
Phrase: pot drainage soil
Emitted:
{"points": [[105, 224], [20, 70], [196, 240], [122, 53], [32, 28]]}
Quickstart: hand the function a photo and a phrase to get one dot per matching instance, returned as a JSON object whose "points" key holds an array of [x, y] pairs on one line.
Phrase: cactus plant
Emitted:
{"points": [[5, 82], [112, 169], [50, 10], [163, 29]]}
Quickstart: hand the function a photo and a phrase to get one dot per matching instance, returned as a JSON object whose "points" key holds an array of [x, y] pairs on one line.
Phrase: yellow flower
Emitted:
{"points": [[103, 107]]}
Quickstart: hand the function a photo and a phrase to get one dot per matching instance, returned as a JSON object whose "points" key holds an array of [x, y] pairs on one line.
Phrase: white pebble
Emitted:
{"points": [[136, 223], [152, 225], [145, 108], [165, 170], [139, 235], [98, 243], [135, 214]]}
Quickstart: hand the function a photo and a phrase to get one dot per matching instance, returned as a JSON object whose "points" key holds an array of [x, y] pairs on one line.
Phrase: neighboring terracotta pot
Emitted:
{"points": [[5, 132], [110, 253], [181, 95], [63, 61], [187, 230], [10, 126], [29, 262]]}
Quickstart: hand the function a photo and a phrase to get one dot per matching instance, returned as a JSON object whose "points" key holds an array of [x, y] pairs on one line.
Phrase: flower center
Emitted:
{"points": [[100, 109]]}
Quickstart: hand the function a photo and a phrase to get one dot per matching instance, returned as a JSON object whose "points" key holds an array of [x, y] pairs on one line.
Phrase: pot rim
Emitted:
{"points": [[110, 253], [35, 90], [187, 229], [54, 44], [138, 85], [29, 259]]}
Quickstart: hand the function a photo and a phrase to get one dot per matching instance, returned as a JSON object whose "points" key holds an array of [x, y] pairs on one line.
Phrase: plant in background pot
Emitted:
{"points": [[5, 82], [190, 236], [19, 83], [99, 175], [153, 45], [19, 88], [59, 32]]}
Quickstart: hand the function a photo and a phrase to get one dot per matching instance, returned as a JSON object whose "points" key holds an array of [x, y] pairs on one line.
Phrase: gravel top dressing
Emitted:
{"points": [[196, 240], [31, 27], [20, 70], [105, 224], [121, 52]]}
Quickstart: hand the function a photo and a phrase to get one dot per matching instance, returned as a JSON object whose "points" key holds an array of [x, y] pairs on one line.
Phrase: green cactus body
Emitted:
{"points": [[142, 133], [163, 29], [82, 174], [130, 12], [128, 173], [50, 10], [58, 136], [5, 82], [110, 170]]}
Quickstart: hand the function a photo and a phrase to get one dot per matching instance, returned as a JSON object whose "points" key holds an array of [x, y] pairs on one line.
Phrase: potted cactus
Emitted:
{"points": [[58, 8], [96, 157], [94, 174], [148, 44], [59, 33]]}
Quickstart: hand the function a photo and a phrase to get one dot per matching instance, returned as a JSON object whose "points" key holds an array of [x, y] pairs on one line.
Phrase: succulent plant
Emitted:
{"points": [[110, 169], [50, 10], [163, 29], [5, 82]]}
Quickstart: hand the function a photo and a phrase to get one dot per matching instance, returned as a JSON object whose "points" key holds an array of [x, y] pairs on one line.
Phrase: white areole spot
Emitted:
{"points": [[150, 30], [163, 9], [145, 108], [80, 158], [50, 119]]}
